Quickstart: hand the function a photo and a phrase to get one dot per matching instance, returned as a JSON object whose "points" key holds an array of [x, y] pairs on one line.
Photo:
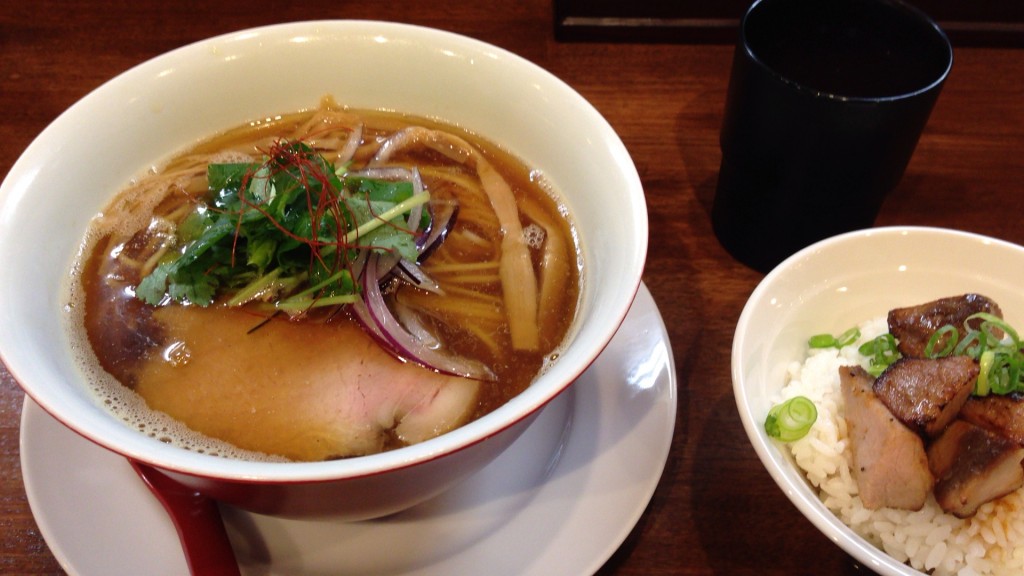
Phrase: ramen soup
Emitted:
{"points": [[324, 284]]}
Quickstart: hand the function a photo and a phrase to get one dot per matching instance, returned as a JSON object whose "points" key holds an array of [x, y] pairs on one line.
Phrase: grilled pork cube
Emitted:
{"points": [[1003, 415], [913, 326], [973, 466], [926, 394], [889, 460]]}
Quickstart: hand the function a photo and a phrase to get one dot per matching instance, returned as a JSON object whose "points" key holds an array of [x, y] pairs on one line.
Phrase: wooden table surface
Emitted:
{"points": [[716, 511]]}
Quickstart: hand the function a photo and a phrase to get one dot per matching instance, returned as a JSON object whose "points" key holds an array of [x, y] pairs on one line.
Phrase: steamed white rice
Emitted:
{"points": [[929, 540]]}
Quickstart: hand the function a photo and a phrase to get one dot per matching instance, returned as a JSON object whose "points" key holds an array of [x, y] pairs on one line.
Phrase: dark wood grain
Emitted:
{"points": [[979, 23], [716, 511]]}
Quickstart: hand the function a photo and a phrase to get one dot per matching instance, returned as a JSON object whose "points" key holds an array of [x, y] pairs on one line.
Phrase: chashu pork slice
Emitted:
{"points": [[973, 466], [1003, 415], [889, 460], [302, 390], [913, 326], [927, 394]]}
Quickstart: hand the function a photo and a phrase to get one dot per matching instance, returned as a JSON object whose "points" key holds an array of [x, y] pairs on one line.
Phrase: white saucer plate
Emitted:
{"points": [[559, 501]]}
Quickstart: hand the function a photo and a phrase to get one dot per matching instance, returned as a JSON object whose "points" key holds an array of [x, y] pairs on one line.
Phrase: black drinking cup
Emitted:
{"points": [[826, 101]]}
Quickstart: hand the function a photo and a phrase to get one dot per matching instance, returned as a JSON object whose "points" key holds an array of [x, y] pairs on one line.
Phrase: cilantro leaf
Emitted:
{"points": [[194, 288], [152, 288], [288, 220]]}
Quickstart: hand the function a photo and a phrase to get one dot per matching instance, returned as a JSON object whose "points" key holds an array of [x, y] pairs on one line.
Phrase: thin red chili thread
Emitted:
{"points": [[284, 155], [281, 157]]}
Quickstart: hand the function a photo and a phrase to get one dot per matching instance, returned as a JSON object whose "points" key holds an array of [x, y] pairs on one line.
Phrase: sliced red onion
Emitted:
{"points": [[413, 274], [351, 145], [375, 315], [451, 146], [386, 262], [362, 314], [358, 263], [412, 323], [442, 220], [408, 339]]}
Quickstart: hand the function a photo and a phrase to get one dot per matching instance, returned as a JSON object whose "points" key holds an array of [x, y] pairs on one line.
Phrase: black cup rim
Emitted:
{"points": [[914, 11]]}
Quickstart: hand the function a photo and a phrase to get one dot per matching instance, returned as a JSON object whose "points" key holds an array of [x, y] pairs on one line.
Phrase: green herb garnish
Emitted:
{"points": [[791, 420], [830, 341], [995, 345], [285, 230], [881, 352]]}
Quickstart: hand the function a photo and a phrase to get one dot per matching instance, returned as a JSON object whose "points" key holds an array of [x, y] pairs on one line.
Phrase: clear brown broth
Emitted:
{"points": [[142, 347]]}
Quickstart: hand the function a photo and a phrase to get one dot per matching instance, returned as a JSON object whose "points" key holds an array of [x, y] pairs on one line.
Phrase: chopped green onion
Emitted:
{"points": [[881, 352], [308, 298], [821, 341], [830, 341], [791, 420], [848, 337], [981, 386], [947, 332], [991, 322], [1000, 358], [255, 288], [964, 348], [398, 210], [303, 304]]}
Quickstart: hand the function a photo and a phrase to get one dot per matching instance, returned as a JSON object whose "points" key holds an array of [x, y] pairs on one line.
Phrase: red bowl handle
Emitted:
{"points": [[198, 523]]}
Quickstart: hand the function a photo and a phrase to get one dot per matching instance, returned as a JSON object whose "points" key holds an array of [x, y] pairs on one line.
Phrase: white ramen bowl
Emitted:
{"points": [[162, 106], [839, 283]]}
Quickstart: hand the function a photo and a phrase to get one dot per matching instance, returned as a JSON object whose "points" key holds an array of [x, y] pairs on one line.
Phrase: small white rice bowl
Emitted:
{"points": [[853, 280]]}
